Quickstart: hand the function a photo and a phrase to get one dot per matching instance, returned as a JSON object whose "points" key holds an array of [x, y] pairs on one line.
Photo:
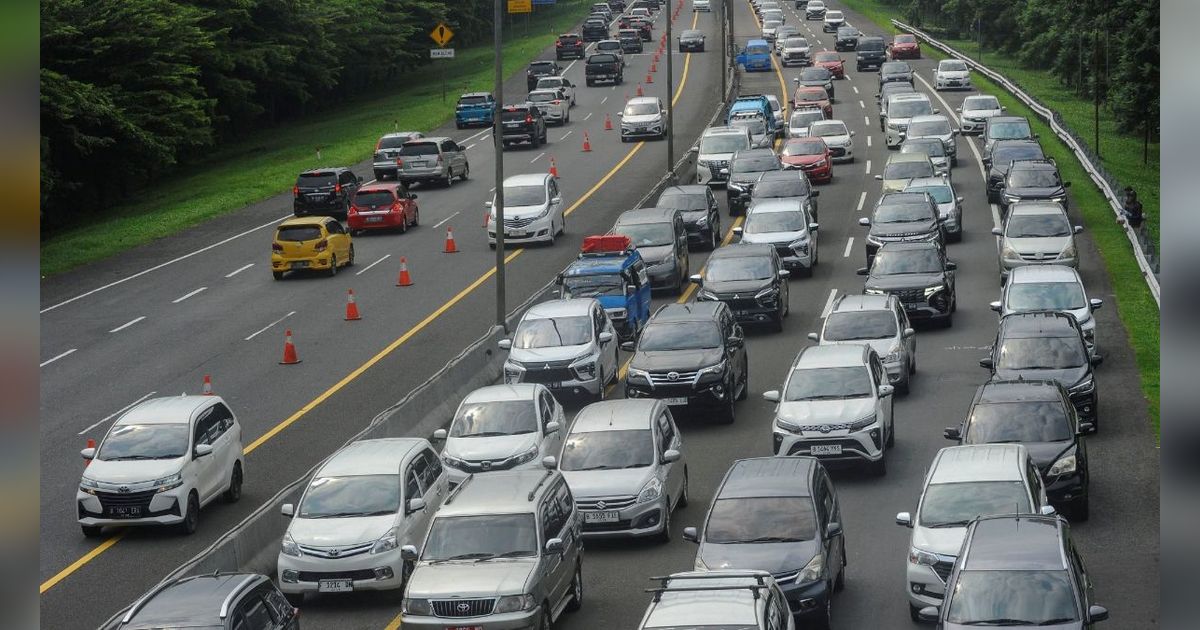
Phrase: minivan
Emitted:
{"points": [[661, 237]]}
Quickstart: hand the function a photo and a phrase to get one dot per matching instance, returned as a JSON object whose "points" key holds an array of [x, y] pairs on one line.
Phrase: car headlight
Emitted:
{"points": [[893, 356], [515, 603], [813, 571], [634, 373], [453, 462], [169, 482], [820, 162], [787, 425], [651, 491], [702, 220], [289, 546], [416, 607], [513, 373], [585, 368], [704, 163], [767, 293], [526, 457], [859, 425], [88, 485], [713, 370], [929, 291], [1085, 387], [917, 556], [705, 294], [1007, 252], [1063, 466], [387, 542], [874, 291], [1069, 251]]}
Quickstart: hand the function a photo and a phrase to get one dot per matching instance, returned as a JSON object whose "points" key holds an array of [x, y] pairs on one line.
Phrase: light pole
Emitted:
{"points": [[670, 87], [724, 48], [498, 145]]}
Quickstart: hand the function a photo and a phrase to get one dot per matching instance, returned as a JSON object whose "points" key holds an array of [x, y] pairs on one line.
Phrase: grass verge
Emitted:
{"points": [[264, 164], [1135, 305]]}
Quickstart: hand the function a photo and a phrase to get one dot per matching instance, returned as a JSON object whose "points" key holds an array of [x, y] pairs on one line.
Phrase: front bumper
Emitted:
{"points": [[971, 125], [691, 47], [933, 308], [1066, 490], [859, 447], [652, 131], [787, 59], [842, 153], [698, 234], [366, 571], [164, 508], [538, 231], [634, 521], [279, 263], [844, 46], [421, 173], [953, 84], [574, 385], [524, 620], [831, 27], [868, 63], [701, 396], [924, 587]]}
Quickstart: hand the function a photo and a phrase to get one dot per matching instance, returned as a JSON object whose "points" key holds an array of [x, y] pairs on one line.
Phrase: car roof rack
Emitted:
{"points": [[251, 580], [1047, 160], [759, 579]]}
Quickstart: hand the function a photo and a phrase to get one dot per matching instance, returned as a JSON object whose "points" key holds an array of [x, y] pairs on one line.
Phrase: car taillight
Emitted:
{"points": [[276, 247], [353, 210], [528, 119], [379, 144], [321, 245], [439, 160], [396, 207], [295, 191], [557, 102], [558, 44], [337, 188]]}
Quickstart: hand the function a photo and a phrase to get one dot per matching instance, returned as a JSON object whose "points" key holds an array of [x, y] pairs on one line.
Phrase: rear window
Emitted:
{"points": [[871, 44], [605, 58], [317, 179], [473, 100], [758, 50], [373, 198], [419, 148], [541, 66], [519, 114], [906, 39], [394, 142], [570, 39], [608, 46], [298, 233], [811, 96]]}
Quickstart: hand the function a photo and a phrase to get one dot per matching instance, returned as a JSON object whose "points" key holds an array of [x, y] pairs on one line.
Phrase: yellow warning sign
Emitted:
{"points": [[520, 6], [441, 34]]}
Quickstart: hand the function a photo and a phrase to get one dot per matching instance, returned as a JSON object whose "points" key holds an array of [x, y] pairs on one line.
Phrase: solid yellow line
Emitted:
{"points": [[74, 566], [395, 624]]}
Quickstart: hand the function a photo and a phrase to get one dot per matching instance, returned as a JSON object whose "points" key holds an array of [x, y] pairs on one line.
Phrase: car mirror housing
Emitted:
{"points": [[202, 450], [605, 337], [886, 390], [88, 453], [784, 273], [815, 193], [997, 232], [737, 231], [1047, 510], [879, 177], [995, 306], [691, 535], [440, 434], [834, 528], [986, 362], [416, 505], [864, 221], [288, 510], [928, 614], [408, 553], [628, 346], [552, 427], [1097, 360], [505, 344], [862, 271], [814, 336], [696, 279], [1079, 229], [813, 227], [904, 519], [671, 456], [1095, 303], [549, 462], [554, 545], [951, 433], [771, 395], [951, 265], [1097, 613], [1085, 428]]}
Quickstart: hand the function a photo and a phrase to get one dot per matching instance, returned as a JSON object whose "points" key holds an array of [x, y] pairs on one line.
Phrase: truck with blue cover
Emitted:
{"points": [[610, 269], [474, 108], [756, 104], [756, 56]]}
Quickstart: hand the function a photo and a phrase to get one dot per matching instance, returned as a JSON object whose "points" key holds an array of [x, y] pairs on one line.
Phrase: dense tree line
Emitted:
{"points": [[132, 88]]}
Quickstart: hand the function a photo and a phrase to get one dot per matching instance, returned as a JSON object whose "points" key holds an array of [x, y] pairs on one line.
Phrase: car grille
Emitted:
{"points": [[1039, 256], [487, 465], [824, 428], [336, 552], [942, 569], [715, 167], [670, 378], [909, 295], [518, 223], [549, 372], [126, 499], [316, 576], [741, 304], [837, 151], [463, 607], [606, 503]]}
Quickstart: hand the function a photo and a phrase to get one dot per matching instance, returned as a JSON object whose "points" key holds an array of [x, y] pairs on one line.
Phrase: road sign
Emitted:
{"points": [[520, 6], [441, 34], [441, 53]]}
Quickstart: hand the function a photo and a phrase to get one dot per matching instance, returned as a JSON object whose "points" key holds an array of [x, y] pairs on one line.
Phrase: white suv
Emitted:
{"points": [[716, 149], [881, 322], [160, 463], [730, 598], [567, 345]]}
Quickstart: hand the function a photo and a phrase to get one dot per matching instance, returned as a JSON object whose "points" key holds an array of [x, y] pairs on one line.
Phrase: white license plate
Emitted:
{"points": [[675, 401], [601, 517], [374, 219], [335, 586], [515, 233], [826, 449]]}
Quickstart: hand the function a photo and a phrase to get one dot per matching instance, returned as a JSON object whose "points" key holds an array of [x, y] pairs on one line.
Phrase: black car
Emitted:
{"points": [[1033, 180], [745, 167], [1038, 414], [920, 275], [870, 53], [1047, 345], [594, 30], [750, 278], [691, 41], [895, 71], [847, 39], [522, 122], [1000, 159], [902, 217], [603, 67], [786, 184], [1017, 571], [661, 238], [643, 26], [631, 40], [539, 69], [816, 76], [232, 601], [701, 213], [324, 192], [569, 45], [782, 515], [691, 356]]}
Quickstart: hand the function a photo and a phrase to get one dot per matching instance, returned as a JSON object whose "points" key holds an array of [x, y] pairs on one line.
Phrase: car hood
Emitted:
{"points": [[801, 159], [607, 483], [559, 353], [470, 579], [1037, 192], [802, 412], [815, 82], [491, 447], [773, 237], [333, 532], [523, 212], [902, 229], [954, 74], [1068, 377], [745, 178], [677, 360], [715, 157], [883, 347], [905, 281], [642, 119], [132, 471], [980, 113], [1071, 625], [945, 138], [796, 49], [780, 557], [746, 288], [1039, 243], [655, 254], [837, 141], [1044, 454], [946, 541]]}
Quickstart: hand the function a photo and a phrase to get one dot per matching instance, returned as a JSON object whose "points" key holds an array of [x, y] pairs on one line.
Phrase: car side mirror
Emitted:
{"points": [[671, 456], [412, 195], [605, 337], [987, 162], [1085, 428], [1097, 360], [795, 79], [997, 232], [904, 519], [771, 395], [812, 336], [928, 614], [854, 133], [879, 177], [558, 279], [691, 535], [958, 109], [937, 111], [813, 227], [416, 505], [552, 427], [694, 150], [88, 453], [549, 462], [784, 273], [909, 332], [202, 450], [1097, 613], [724, 171], [862, 271], [439, 435], [1095, 303], [987, 362], [737, 231], [556, 200], [1066, 184], [620, 114], [815, 193], [1004, 109], [696, 279], [505, 344], [952, 433], [554, 546], [408, 553], [628, 346], [288, 510], [833, 529], [630, 289], [1047, 510], [886, 390], [958, 199], [1078, 229], [360, 179], [734, 341], [951, 265], [487, 204], [995, 306]]}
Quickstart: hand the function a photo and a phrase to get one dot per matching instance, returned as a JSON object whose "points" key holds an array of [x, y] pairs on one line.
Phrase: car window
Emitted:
{"points": [[348, 178], [598, 321], [555, 512], [206, 428], [333, 227], [412, 486], [433, 469], [253, 614], [277, 602], [548, 407]]}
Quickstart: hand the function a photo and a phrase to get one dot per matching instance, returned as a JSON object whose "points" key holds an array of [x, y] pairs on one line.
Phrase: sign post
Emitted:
{"points": [[441, 35]]}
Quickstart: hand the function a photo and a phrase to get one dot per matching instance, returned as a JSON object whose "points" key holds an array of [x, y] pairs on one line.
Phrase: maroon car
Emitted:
{"points": [[382, 206], [832, 62], [811, 155], [905, 46], [813, 96]]}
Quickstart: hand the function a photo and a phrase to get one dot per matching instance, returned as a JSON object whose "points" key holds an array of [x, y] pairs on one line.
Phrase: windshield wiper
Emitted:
{"points": [[999, 622], [962, 523], [765, 539], [464, 556], [138, 457], [341, 514], [1054, 622], [487, 434], [519, 553], [827, 397]]}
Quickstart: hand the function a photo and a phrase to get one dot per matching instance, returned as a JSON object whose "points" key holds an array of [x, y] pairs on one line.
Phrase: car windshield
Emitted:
{"points": [[724, 143], [352, 495], [394, 142], [833, 16], [906, 261], [859, 325], [952, 65], [419, 148], [902, 213], [145, 441], [298, 233], [481, 538], [956, 504], [783, 187], [1032, 178], [980, 103], [606, 45], [524, 196], [827, 129], [806, 117], [641, 109], [608, 450], [894, 67], [931, 147], [473, 100], [1026, 421], [940, 194], [1010, 130], [1005, 155], [647, 234], [1037, 226], [847, 32], [909, 108], [1045, 296], [368, 198], [767, 222], [682, 201], [593, 285], [795, 147], [871, 44], [541, 68], [680, 336], [815, 74], [542, 97], [795, 42], [496, 417], [1010, 598], [831, 383], [316, 180], [761, 520], [738, 268], [929, 128], [550, 332], [1042, 353], [826, 56], [756, 125], [908, 170], [755, 164]]}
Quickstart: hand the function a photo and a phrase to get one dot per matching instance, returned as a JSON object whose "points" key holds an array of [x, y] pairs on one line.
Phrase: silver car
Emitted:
{"points": [[768, 29], [879, 321], [555, 106], [1051, 288], [716, 149], [567, 345], [624, 462], [502, 427], [935, 126], [901, 108], [976, 110], [785, 224], [802, 119], [752, 600], [643, 116], [776, 112], [952, 74], [432, 160], [387, 151], [1037, 233], [760, 136], [837, 137], [949, 203], [795, 50], [558, 83], [931, 147]]}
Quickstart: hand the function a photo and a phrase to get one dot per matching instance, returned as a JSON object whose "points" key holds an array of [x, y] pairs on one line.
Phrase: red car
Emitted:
{"points": [[642, 25], [905, 47], [832, 62], [811, 155], [813, 96], [383, 206]]}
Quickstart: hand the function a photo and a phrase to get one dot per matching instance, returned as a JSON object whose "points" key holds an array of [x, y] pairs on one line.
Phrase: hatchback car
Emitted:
{"points": [[567, 345], [935, 126], [832, 62], [837, 136], [750, 279], [382, 206], [782, 515], [902, 217], [159, 463], [810, 155], [569, 45], [902, 168], [715, 600], [975, 111], [802, 118], [1000, 159], [1033, 180], [310, 243], [952, 74], [816, 76], [623, 460], [794, 50], [1050, 288], [554, 105], [700, 210], [933, 148], [324, 191], [433, 160], [226, 601], [661, 238], [533, 210], [502, 427], [1037, 233], [787, 225], [847, 38], [949, 204], [743, 172], [879, 321], [387, 151], [920, 275], [643, 116]]}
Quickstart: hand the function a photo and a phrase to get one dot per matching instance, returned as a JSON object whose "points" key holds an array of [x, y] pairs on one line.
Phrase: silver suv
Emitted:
{"points": [[432, 160], [1050, 288], [879, 321], [387, 152], [935, 126], [567, 345], [504, 551], [1037, 233], [643, 116], [716, 149], [708, 599]]}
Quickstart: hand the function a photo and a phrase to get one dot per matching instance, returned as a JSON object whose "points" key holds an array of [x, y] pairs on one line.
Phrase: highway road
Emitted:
{"points": [[297, 414]]}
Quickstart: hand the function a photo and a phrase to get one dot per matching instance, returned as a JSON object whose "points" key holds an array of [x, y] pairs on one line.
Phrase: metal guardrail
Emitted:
{"points": [[1143, 249]]}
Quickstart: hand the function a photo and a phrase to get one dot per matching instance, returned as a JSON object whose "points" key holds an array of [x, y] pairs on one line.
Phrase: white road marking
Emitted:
{"points": [[443, 221], [238, 270], [539, 156], [590, 113], [116, 413], [868, 168], [602, 101], [127, 324], [368, 267], [861, 200], [268, 326], [868, 141], [861, 104], [161, 265], [867, 121], [187, 295], [828, 303], [849, 244], [477, 134], [52, 360], [564, 137], [855, 88]]}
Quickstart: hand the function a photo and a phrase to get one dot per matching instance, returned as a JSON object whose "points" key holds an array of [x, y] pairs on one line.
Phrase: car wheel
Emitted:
{"points": [[545, 623], [350, 258], [745, 393], [191, 518], [665, 535], [332, 266], [295, 599], [714, 237], [466, 174], [777, 324], [278, 275], [449, 180], [840, 583], [404, 225], [234, 493], [458, 125], [576, 590], [826, 620], [416, 217], [92, 531]]}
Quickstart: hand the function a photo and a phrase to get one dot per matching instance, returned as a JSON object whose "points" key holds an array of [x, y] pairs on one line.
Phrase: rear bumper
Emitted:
{"points": [[279, 263], [375, 221]]}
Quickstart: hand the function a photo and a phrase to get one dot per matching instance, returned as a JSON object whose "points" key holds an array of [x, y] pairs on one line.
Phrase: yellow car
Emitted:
{"points": [[319, 243]]}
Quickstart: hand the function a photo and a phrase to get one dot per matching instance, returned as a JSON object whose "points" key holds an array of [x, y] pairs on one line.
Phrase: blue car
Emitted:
{"points": [[611, 270], [475, 108], [756, 56]]}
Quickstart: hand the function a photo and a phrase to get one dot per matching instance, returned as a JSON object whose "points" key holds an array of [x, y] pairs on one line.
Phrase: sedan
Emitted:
{"points": [[811, 155], [905, 46], [976, 110], [691, 41], [832, 62], [836, 136]]}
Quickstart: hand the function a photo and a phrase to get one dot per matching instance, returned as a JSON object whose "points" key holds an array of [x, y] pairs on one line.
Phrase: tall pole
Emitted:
{"points": [[1096, 87], [724, 48], [498, 145], [670, 88]]}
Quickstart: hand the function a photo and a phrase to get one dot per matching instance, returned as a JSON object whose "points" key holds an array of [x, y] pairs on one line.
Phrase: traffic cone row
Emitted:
{"points": [[649, 78], [639, 90], [653, 67], [608, 119]]}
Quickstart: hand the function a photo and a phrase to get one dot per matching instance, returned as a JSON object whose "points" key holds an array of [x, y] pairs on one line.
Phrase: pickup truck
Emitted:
{"points": [[475, 108], [602, 67], [522, 123]]}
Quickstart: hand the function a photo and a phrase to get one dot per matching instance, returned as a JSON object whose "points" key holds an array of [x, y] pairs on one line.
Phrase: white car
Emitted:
{"points": [[975, 111], [795, 50], [837, 137], [773, 13], [365, 502], [952, 74], [833, 21], [612, 47], [701, 5], [785, 224], [533, 210], [768, 29], [935, 126], [569, 346], [502, 427], [554, 105], [558, 83], [1051, 288], [716, 149], [159, 463], [777, 113], [802, 119]]}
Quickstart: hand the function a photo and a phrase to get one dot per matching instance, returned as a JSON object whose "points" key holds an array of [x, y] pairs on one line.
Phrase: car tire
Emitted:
{"points": [[416, 217], [333, 266], [350, 260], [825, 622], [576, 589], [466, 174], [839, 584], [545, 622], [458, 125], [683, 494], [295, 599], [234, 493], [278, 275], [404, 226], [891, 438], [379, 175], [191, 518], [745, 393], [92, 531], [714, 237], [448, 181]]}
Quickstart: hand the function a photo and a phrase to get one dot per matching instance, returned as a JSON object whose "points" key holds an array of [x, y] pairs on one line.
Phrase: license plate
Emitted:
{"points": [[299, 265], [826, 449], [464, 627], [335, 586], [125, 511], [675, 401], [601, 517], [374, 219], [515, 233]]}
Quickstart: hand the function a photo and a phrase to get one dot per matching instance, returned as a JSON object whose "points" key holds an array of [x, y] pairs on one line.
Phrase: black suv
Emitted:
{"points": [[325, 192], [920, 275], [786, 184], [750, 278], [779, 514], [631, 41], [241, 601], [661, 238], [1001, 158], [1047, 345], [902, 217], [603, 67], [690, 356], [871, 52], [1038, 414], [569, 45], [898, 71], [522, 123], [1018, 571], [594, 30], [1033, 180], [701, 213], [745, 168], [847, 38], [539, 69]]}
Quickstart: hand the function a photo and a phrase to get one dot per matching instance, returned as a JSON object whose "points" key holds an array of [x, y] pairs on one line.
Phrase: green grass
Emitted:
{"points": [[264, 164], [1134, 303]]}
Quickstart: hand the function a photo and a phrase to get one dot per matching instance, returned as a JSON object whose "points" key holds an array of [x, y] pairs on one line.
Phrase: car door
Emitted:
{"points": [[879, 374], [642, 297], [606, 349], [206, 469], [552, 563], [434, 482], [415, 522], [551, 443], [736, 349], [671, 473], [333, 238], [225, 447], [556, 203], [349, 182], [835, 545], [910, 342], [253, 613]]}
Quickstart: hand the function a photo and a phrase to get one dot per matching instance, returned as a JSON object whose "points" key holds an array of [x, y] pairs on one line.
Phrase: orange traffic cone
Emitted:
{"points": [[289, 349], [553, 167], [351, 307], [451, 248], [91, 443], [587, 148], [608, 122], [653, 67], [207, 385], [649, 79], [656, 57], [404, 280], [639, 90]]}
